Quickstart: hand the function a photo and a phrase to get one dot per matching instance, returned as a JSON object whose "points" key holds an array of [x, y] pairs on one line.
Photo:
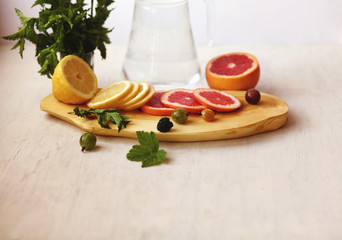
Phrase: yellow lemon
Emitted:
{"points": [[141, 102], [109, 96], [73, 81], [144, 88], [132, 94]]}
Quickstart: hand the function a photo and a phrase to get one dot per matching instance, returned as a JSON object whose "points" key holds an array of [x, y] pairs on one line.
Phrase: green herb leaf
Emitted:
{"points": [[115, 117], [139, 153], [24, 20], [157, 158], [63, 26], [148, 140], [102, 120], [148, 151], [104, 116]]}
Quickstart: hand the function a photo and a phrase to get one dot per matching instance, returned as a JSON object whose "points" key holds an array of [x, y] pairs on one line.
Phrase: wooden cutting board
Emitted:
{"points": [[270, 114]]}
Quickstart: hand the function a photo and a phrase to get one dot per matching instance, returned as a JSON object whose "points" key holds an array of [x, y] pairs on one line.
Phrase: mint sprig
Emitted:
{"points": [[148, 151], [104, 116], [66, 27]]}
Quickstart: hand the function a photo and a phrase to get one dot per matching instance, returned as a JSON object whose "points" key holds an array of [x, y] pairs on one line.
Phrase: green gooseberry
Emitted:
{"points": [[88, 141], [179, 115]]}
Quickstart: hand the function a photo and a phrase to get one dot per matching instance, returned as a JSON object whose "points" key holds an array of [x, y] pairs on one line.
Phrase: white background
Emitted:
{"points": [[236, 21]]}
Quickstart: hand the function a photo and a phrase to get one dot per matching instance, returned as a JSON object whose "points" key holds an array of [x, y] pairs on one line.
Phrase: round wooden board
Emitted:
{"points": [[270, 114]]}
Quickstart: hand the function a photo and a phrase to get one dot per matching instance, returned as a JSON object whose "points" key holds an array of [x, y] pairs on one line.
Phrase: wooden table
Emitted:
{"points": [[285, 184]]}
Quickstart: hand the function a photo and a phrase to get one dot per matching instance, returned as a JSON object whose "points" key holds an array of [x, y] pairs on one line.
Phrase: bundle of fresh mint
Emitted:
{"points": [[66, 27]]}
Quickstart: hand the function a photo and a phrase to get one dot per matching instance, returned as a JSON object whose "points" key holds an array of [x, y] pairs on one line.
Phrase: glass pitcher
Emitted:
{"points": [[161, 49]]}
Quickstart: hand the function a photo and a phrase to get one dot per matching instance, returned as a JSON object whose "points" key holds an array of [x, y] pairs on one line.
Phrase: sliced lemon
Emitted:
{"points": [[131, 94], [73, 81], [141, 102], [109, 96], [144, 88]]}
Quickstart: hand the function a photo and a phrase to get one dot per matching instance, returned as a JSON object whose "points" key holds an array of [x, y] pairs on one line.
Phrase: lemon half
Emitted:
{"points": [[73, 81]]}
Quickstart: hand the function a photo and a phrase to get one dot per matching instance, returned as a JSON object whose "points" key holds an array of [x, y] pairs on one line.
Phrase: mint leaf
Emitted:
{"points": [[148, 139], [117, 118], [23, 19], [148, 151], [104, 116], [139, 153], [102, 120], [157, 158], [66, 27]]}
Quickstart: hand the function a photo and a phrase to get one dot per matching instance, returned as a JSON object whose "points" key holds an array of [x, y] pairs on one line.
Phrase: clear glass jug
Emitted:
{"points": [[161, 49]]}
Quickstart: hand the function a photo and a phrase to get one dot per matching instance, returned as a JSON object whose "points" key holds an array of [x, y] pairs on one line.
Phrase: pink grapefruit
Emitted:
{"points": [[156, 107], [182, 98], [216, 100], [233, 71]]}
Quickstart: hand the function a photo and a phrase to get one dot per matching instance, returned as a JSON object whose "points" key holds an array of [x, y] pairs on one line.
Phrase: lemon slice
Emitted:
{"points": [[132, 94], [109, 96], [144, 88], [73, 81], [144, 100]]}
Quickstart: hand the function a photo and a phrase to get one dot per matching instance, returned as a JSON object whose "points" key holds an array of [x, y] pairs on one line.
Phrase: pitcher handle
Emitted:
{"points": [[210, 4]]}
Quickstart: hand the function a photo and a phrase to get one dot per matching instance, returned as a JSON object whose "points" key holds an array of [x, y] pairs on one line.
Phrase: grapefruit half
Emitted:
{"points": [[233, 71], [216, 100], [182, 98]]}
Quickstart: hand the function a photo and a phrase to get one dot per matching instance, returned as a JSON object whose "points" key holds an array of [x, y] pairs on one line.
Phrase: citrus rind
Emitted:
{"points": [[220, 101], [109, 96], [133, 92], [174, 99], [143, 101], [144, 88], [155, 106], [73, 81], [246, 80]]}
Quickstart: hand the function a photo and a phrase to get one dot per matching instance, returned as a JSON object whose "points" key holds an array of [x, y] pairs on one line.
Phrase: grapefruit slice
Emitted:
{"points": [[233, 71], [156, 107], [182, 98], [216, 100]]}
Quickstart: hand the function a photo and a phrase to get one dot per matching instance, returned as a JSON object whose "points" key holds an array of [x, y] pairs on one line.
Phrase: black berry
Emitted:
{"points": [[164, 125]]}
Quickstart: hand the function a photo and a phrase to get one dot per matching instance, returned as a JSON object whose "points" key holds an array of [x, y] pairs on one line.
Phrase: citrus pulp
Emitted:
{"points": [[182, 98], [73, 81], [109, 96], [233, 71], [155, 106], [141, 101], [216, 100]]}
